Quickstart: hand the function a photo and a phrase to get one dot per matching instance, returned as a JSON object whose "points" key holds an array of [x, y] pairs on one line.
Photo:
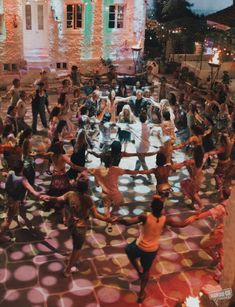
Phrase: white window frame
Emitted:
{"points": [[40, 18], [28, 17], [74, 27], [123, 6]]}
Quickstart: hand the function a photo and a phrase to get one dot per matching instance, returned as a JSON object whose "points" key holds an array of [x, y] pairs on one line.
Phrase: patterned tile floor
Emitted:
{"points": [[31, 267]]}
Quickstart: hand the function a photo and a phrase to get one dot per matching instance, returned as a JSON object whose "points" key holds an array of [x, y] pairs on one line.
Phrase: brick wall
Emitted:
{"points": [[11, 42]]}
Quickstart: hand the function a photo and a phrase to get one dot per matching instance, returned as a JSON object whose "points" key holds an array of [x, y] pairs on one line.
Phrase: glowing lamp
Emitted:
{"points": [[136, 54], [215, 59], [215, 65], [192, 302]]}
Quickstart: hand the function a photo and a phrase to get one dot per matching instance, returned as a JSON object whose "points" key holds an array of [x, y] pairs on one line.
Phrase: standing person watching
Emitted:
{"points": [[39, 103]]}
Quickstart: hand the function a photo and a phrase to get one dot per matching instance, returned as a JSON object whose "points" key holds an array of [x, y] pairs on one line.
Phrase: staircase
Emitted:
{"points": [[37, 59]]}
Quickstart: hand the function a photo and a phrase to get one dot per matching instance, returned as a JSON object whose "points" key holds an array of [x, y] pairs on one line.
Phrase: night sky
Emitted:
{"points": [[210, 5]]}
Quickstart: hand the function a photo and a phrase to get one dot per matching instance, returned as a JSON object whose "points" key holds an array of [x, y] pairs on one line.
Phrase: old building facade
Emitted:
{"points": [[60, 33]]}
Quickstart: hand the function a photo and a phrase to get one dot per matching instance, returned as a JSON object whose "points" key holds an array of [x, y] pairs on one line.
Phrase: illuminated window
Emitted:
{"points": [[40, 17], [7, 67], [1, 24], [116, 16], [14, 67], [74, 16], [28, 17], [62, 65]]}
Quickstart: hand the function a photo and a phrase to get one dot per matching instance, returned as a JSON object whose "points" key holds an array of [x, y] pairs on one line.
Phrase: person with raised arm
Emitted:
{"points": [[78, 207], [16, 187], [147, 244]]}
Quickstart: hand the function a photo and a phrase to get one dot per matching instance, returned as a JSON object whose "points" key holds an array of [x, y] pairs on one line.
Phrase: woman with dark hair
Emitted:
{"points": [[193, 117], [172, 99], [59, 181], [79, 206], [63, 104], [113, 101], [117, 154], [53, 121], [224, 161], [11, 119], [60, 131], [78, 156], [208, 137], [122, 92], [162, 171], [14, 151], [168, 131], [25, 143], [191, 186], [65, 87], [196, 139]]}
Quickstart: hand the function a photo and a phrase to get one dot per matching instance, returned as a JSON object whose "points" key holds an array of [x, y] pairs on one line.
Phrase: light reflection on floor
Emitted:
{"points": [[31, 268]]}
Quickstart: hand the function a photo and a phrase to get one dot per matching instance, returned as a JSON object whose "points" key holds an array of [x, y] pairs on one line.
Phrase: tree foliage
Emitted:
{"points": [[180, 24], [175, 9]]}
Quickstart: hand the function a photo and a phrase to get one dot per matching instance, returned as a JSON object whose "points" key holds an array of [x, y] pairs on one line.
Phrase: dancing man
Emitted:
{"points": [[146, 246]]}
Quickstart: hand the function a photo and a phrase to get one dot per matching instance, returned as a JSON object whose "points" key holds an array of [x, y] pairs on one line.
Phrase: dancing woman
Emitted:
{"points": [[59, 181], [224, 162], [78, 156], [162, 172], [53, 121], [28, 157], [113, 102], [63, 104], [79, 206], [191, 186]]}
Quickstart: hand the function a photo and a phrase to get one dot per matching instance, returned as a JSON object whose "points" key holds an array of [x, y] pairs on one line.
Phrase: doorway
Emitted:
{"points": [[35, 28]]}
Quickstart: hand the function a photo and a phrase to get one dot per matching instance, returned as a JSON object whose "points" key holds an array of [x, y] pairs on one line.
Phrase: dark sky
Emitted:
{"points": [[211, 5]]}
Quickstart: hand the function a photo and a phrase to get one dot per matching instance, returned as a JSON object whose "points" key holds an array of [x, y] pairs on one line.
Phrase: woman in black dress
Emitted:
{"points": [[78, 156]]}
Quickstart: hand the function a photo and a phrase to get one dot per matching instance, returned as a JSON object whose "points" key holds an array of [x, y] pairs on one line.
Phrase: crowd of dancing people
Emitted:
{"points": [[100, 118]]}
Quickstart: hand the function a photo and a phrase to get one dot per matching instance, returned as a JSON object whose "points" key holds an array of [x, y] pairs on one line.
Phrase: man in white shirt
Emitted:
{"points": [[142, 134]]}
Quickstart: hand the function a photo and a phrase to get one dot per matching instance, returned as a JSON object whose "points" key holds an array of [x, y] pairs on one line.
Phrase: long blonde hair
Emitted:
{"points": [[131, 116]]}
